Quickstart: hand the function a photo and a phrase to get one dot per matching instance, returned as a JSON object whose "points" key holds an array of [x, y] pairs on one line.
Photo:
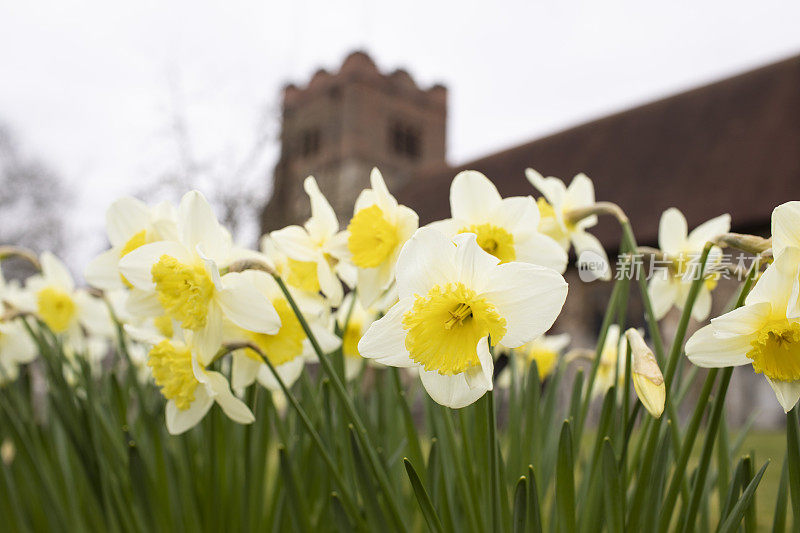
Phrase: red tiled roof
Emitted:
{"points": [[729, 147]]}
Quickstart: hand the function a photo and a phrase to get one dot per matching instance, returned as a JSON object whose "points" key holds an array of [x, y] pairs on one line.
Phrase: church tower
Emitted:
{"points": [[341, 125]]}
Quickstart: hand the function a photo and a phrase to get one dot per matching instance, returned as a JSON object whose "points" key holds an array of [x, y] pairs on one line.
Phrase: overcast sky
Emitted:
{"points": [[93, 87]]}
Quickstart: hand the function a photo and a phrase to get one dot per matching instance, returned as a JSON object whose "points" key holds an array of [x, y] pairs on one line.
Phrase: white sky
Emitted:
{"points": [[90, 86]]}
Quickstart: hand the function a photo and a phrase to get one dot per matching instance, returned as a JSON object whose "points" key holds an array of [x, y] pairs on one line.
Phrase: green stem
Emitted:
{"points": [[493, 462], [341, 392]]}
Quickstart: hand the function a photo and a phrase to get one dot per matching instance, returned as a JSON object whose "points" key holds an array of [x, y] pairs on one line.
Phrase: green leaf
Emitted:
{"points": [[614, 496], [793, 455], [424, 501], [565, 482], [535, 511], [520, 514], [731, 524], [779, 518]]}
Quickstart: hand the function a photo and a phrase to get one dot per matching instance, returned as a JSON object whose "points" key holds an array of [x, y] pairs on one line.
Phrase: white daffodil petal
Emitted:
{"points": [[472, 196], [93, 314], [102, 271], [143, 304], [580, 191], [591, 253], [785, 227], [425, 260], [663, 293], [474, 266], [246, 307], [702, 305], [295, 242], [125, 218], [787, 392], [481, 376], [199, 225], [745, 320], [553, 189], [450, 390], [323, 223], [708, 231], [709, 350], [244, 370], [208, 339], [181, 420], [288, 372], [385, 340], [232, 406], [55, 272], [383, 197], [529, 297], [672, 231], [539, 249]]}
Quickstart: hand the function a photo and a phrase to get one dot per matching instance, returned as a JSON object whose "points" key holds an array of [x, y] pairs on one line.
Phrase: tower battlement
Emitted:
{"points": [[340, 125]]}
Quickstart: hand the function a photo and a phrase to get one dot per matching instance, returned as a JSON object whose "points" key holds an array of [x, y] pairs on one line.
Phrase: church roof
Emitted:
{"points": [[729, 147]]}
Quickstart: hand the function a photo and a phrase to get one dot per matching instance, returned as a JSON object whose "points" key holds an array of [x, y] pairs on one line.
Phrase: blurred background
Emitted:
{"points": [[688, 104]]}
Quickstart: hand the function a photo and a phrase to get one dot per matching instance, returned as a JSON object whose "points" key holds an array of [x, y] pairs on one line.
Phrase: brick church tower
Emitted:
{"points": [[341, 125]]}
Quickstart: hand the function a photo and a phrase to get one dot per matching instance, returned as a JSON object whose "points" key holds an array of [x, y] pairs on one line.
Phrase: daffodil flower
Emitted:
{"points": [[296, 276], [785, 227], [611, 369], [765, 332], [554, 206], [456, 299], [353, 320], [287, 349], [648, 382], [68, 311], [670, 286], [545, 350], [315, 248], [189, 388], [507, 228], [376, 234], [16, 348], [181, 279], [130, 224]]}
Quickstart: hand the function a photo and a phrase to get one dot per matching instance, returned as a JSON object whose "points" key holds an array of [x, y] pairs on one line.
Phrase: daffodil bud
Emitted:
{"points": [[748, 243], [647, 378]]}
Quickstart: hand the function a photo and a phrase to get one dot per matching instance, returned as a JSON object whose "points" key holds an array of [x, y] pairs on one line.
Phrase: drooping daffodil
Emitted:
{"points": [[456, 300], [682, 250], [555, 205]]}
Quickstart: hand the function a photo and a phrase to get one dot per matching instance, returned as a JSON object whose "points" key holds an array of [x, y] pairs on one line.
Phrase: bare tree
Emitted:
{"points": [[235, 179], [33, 202]]}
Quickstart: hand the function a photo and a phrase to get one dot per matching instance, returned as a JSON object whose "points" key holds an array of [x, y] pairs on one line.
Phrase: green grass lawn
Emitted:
{"points": [[761, 445]]}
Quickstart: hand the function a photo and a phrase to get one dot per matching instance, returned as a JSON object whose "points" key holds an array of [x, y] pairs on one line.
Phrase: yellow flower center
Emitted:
{"points": [[444, 327], [545, 360], [285, 345], [350, 340], [163, 324], [372, 238], [545, 209], [494, 240], [776, 351], [303, 275], [183, 290], [682, 265], [140, 239], [172, 371], [56, 308]]}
